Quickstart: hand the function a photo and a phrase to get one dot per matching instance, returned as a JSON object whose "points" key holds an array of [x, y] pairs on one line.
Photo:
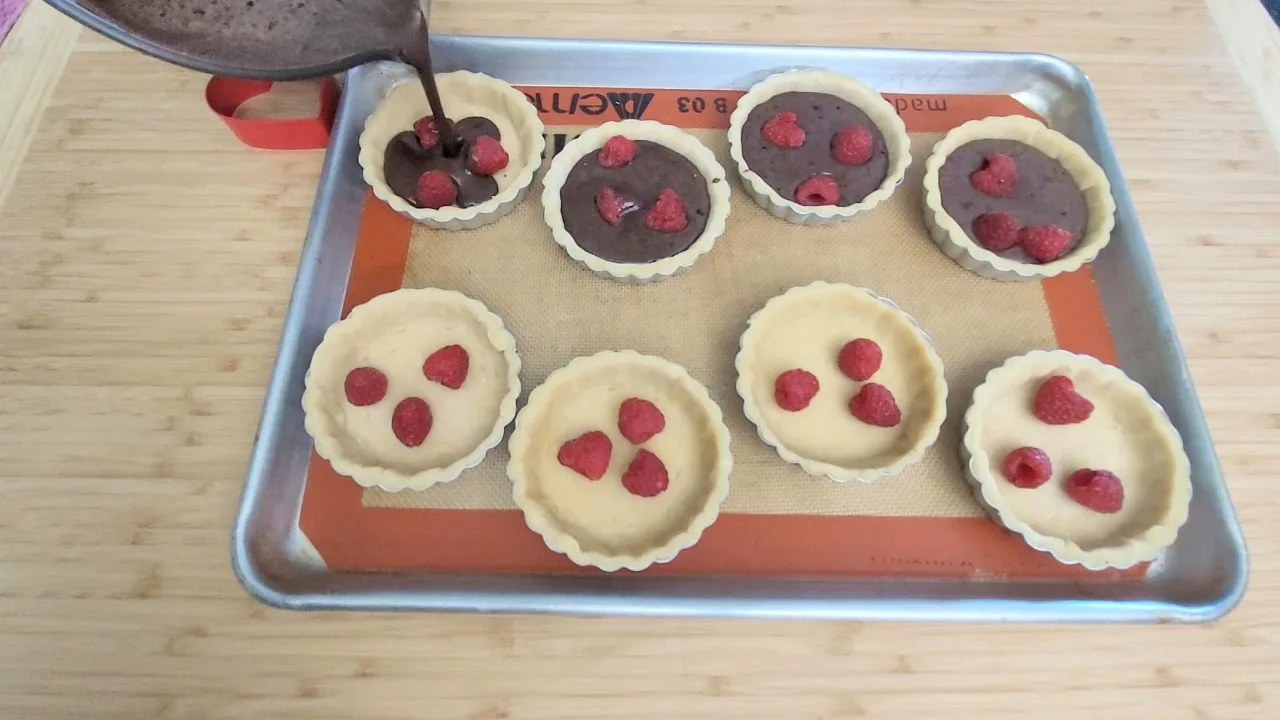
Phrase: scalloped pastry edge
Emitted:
{"points": [[323, 364], [539, 519]]}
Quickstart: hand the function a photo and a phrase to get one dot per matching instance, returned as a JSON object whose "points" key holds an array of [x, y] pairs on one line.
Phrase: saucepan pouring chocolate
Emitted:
{"points": [[270, 39], [266, 39]]}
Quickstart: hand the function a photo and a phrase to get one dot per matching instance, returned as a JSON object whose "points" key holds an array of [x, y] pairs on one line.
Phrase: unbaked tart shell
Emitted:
{"points": [[808, 318], [598, 523], [464, 94], [956, 243], [673, 139], [1128, 434], [387, 323], [879, 110]]}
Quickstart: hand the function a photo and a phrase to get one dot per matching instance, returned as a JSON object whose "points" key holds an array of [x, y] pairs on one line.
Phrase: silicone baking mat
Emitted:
{"points": [[777, 519]]}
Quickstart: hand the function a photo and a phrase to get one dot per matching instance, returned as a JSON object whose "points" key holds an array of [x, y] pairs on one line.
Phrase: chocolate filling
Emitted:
{"points": [[405, 161], [821, 116], [654, 168], [1046, 193]]}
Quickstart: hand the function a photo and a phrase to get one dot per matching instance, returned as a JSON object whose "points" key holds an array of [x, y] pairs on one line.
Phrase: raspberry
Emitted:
{"points": [[448, 366], [782, 131], [996, 231], [793, 389], [411, 421], [667, 214], [1098, 490], [436, 189], [874, 405], [1058, 403], [1027, 467], [486, 156], [617, 151], [613, 206], [859, 359], [646, 476], [818, 190], [428, 134], [853, 145], [365, 386], [998, 176], [588, 454], [1044, 243], [639, 420]]}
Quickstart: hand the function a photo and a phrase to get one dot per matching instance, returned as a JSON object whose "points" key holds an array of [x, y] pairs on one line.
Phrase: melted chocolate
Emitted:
{"points": [[821, 116], [405, 161], [1046, 193], [418, 54], [654, 168]]}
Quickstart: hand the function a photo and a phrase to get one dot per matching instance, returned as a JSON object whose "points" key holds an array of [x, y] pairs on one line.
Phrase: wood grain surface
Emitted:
{"points": [[145, 263]]}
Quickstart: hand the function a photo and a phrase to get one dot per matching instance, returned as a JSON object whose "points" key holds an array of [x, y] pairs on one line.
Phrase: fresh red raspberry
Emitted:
{"points": [[365, 386], [818, 190], [998, 176], [646, 476], [1027, 467], [486, 156], [667, 214], [782, 131], [411, 421], [996, 231], [859, 359], [853, 145], [588, 454], [793, 389], [610, 205], [1058, 403], [436, 189], [448, 366], [427, 132], [1044, 243], [1099, 490], [639, 420], [874, 405], [617, 151]]}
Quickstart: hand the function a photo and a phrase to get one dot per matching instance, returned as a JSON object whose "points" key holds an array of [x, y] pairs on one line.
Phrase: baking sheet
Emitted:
{"points": [[1044, 85]]}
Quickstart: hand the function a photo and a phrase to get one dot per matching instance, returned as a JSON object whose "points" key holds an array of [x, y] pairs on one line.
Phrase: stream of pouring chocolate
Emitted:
{"points": [[416, 51]]}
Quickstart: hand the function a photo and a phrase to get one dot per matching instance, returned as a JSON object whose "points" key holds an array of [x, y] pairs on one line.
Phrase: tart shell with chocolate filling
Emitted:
{"points": [[822, 116], [388, 151], [1053, 185], [671, 176], [635, 185], [823, 104]]}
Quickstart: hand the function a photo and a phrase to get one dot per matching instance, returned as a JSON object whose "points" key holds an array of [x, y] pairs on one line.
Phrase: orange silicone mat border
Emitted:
{"points": [[350, 536]]}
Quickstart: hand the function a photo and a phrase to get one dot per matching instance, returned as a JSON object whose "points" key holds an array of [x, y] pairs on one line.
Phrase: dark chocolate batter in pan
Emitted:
{"points": [[1046, 194], [821, 116], [655, 167]]}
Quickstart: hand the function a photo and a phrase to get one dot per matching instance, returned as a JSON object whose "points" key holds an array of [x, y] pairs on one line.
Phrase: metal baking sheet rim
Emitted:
{"points": [[1201, 578]]}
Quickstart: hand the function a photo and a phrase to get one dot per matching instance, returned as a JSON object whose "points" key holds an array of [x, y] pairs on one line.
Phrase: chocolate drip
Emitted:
{"points": [[418, 54], [406, 160]]}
